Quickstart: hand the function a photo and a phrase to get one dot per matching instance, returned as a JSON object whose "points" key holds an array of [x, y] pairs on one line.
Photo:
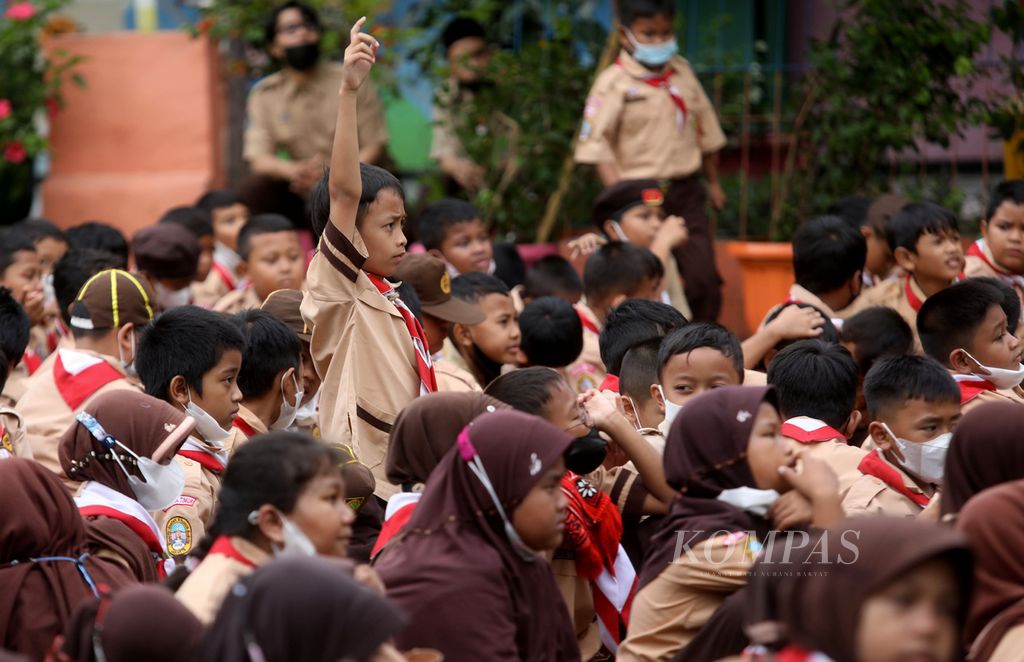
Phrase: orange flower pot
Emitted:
{"points": [[766, 274]]}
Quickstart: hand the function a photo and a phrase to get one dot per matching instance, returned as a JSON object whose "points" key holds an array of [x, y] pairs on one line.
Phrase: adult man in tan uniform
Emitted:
{"points": [[292, 115]]}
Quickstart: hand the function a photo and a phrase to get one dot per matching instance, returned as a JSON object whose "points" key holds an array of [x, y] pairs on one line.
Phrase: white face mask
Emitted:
{"points": [[671, 409], [167, 298], [288, 412], [749, 499], [296, 543], [618, 231], [927, 459], [1000, 377], [653, 54], [206, 425], [128, 366], [636, 412], [308, 411]]}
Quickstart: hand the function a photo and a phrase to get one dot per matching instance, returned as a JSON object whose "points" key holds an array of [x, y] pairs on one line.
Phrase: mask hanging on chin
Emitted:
{"points": [[749, 499], [654, 55], [206, 425], [303, 57], [296, 543], [288, 412], [927, 459], [1000, 377]]}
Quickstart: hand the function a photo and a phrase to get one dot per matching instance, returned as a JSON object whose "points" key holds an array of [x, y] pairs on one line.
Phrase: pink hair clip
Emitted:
{"points": [[466, 449]]}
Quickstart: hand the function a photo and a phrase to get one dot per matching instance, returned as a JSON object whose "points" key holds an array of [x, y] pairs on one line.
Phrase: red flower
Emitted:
{"points": [[52, 107], [15, 152], [5, 109], [21, 11]]}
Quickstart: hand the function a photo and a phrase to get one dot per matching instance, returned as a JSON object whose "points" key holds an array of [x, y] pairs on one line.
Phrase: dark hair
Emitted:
{"points": [[892, 381], [374, 180], [550, 276], [552, 333], [528, 390], [14, 328], [71, 271], [829, 333], [853, 210], [877, 332], [827, 253], [261, 224], [635, 321], [218, 199], [5, 370], [1011, 190], [196, 220], [441, 215], [630, 10], [38, 229], [619, 267], [701, 334], [815, 379], [271, 347], [916, 219], [187, 341], [100, 236], [459, 28], [407, 293], [640, 370], [13, 241], [270, 27], [949, 318], [1011, 302], [474, 286]]}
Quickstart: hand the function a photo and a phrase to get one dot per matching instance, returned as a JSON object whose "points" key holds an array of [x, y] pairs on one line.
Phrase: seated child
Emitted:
{"points": [[102, 237], [14, 330], [486, 347], [19, 275], [269, 377], [228, 214], [284, 305], [199, 222], [639, 371], [870, 218], [1000, 250], [272, 259], [550, 276], [167, 255], [105, 319], [926, 245], [828, 261], [966, 331], [191, 358], [51, 244], [913, 405], [828, 332], [552, 334], [632, 322], [70, 273], [366, 344], [615, 273], [438, 311]]}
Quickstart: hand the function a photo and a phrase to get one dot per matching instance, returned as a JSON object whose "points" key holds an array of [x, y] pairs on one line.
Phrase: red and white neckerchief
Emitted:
{"points": [[78, 375], [914, 300], [244, 427], [223, 546], [98, 500], [980, 250], [424, 364], [971, 386], [790, 653], [31, 361], [587, 323], [610, 383], [662, 82], [874, 465], [809, 430], [197, 452], [396, 516]]}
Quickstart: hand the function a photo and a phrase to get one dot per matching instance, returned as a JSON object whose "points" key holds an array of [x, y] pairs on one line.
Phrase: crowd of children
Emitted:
{"points": [[216, 446]]}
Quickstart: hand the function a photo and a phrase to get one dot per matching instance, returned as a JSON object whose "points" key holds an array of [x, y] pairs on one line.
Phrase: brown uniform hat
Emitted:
{"points": [[166, 250], [429, 277], [284, 305], [111, 299], [617, 199]]}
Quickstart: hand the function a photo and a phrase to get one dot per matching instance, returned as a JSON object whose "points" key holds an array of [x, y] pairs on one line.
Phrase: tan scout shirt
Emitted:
{"points": [[362, 352], [207, 293], [635, 126], [842, 458], [206, 587], [1010, 646], [673, 288], [15, 386], [237, 301], [579, 598], [46, 412], [587, 371], [873, 496], [991, 396], [186, 520], [451, 377], [12, 435], [248, 423], [668, 612], [299, 118], [890, 293]]}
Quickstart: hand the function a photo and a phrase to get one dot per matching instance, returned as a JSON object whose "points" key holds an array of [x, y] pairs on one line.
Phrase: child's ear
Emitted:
{"points": [[269, 523], [178, 390], [461, 336], [905, 259], [959, 362], [867, 231], [626, 404], [656, 394], [438, 254], [878, 435], [608, 228], [851, 424]]}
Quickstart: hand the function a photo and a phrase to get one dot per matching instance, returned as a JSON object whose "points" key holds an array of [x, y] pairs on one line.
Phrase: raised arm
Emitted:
{"points": [[345, 184]]}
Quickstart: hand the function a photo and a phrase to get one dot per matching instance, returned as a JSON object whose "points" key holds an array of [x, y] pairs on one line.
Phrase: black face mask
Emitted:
{"points": [[586, 453], [304, 57]]}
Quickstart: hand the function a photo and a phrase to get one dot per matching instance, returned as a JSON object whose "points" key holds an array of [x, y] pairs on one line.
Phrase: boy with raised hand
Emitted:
{"points": [[367, 345]]}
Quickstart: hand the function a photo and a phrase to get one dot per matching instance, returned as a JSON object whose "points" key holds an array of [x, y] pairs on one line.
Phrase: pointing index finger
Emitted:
{"points": [[357, 28]]}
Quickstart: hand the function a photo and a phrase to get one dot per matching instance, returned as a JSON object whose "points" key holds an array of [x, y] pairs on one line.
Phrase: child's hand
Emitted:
{"points": [[795, 322], [791, 510], [812, 478], [586, 244], [359, 57], [614, 456], [673, 232], [34, 303], [604, 409]]}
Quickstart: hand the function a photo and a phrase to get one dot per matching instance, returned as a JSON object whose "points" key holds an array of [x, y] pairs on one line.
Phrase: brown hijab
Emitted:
{"points": [[37, 591], [821, 611], [142, 622], [427, 428], [706, 453], [986, 450], [144, 424], [468, 592], [993, 522]]}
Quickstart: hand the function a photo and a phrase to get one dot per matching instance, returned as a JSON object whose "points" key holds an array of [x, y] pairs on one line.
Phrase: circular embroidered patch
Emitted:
{"points": [[5, 441], [179, 536], [446, 283]]}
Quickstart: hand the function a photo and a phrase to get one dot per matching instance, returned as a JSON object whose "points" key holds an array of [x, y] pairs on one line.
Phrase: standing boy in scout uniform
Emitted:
{"points": [[647, 117], [106, 317], [191, 357], [429, 278], [369, 349], [292, 112]]}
